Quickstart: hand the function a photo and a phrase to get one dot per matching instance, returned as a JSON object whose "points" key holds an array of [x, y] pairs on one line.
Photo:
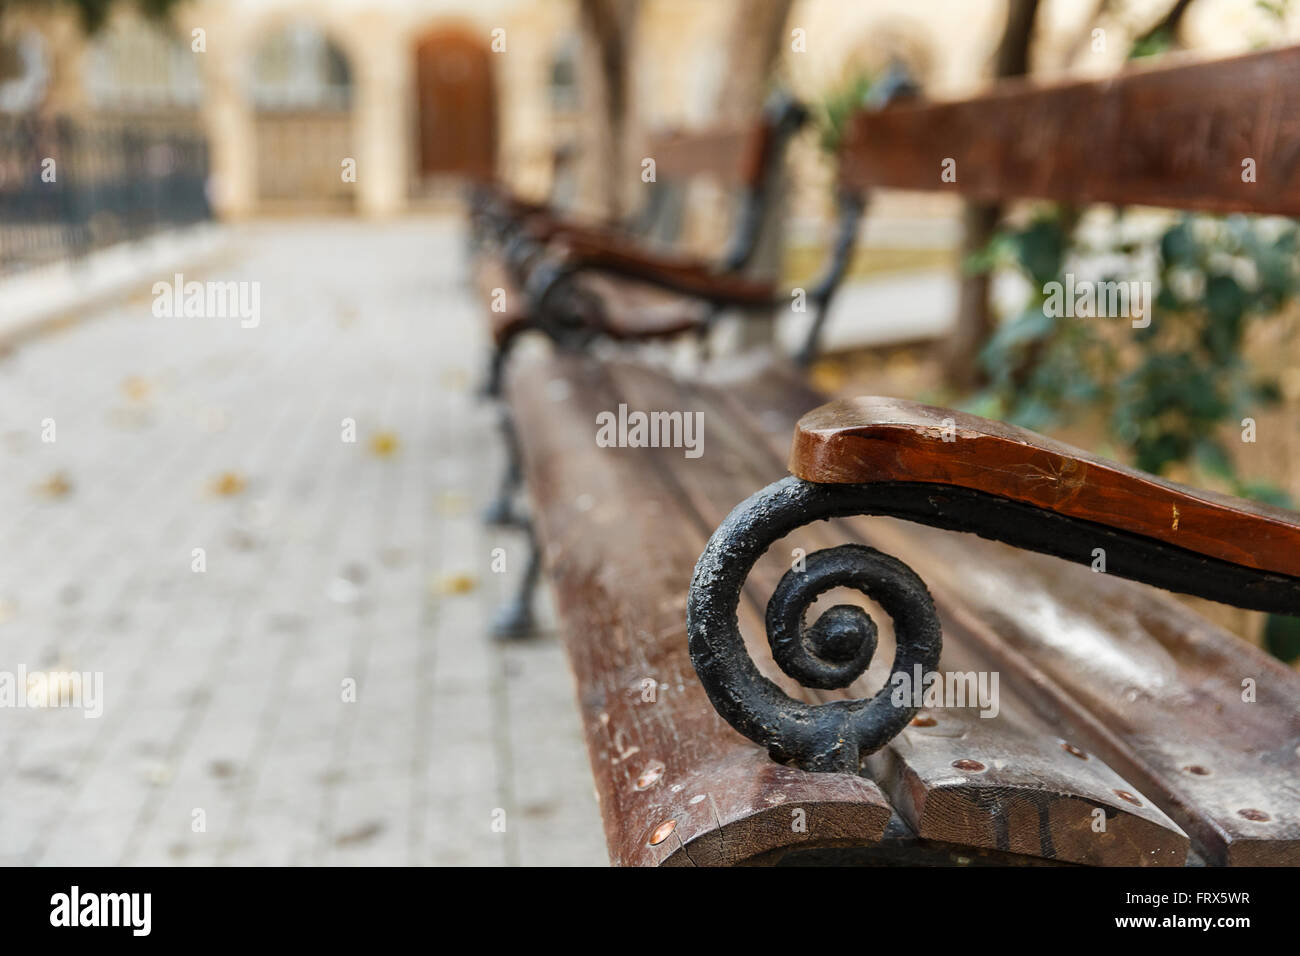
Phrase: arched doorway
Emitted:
{"points": [[302, 95], [456, 101]]}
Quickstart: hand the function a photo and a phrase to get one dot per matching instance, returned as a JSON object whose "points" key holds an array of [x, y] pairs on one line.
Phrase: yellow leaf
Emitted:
{"points": [[827, 376], [228, 483], [137, 389], [384, 444], [452, 503], [458, 583], [55, 486]]}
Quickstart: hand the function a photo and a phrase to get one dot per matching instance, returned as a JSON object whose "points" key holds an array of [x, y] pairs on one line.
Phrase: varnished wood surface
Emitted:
{"points": [[687, 275], [731, 156], [1170, 136], [1028, 795], [1089, 664], [676, 785], [632, 310], [1204, 724], [881, 439]]}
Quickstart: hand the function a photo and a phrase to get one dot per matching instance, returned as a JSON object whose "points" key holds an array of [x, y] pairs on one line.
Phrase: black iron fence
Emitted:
{"points": [[68, 186]]}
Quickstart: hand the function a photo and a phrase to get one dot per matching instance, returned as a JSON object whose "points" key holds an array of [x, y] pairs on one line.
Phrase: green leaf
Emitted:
{"points": [[1178, 247], [1041, 249], [1212, 457], [1282, 637]]}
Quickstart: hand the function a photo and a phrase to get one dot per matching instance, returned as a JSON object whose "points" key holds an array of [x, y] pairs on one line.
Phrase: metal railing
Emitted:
{"points": [[69, 186]]}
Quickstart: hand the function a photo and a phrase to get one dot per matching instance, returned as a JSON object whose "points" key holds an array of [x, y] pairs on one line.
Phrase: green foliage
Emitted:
{"points": [[1165, 389], [832, 113], [1282, 637], [1167, 392]]}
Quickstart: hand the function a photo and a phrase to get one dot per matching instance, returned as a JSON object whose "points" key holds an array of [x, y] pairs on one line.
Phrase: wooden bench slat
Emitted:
{"points": [[635, 311], [1125, 671], [684, 274], [734, 157], [1170, 136], [993, 783], [871, 439], [669, 765], [1027, 772]]}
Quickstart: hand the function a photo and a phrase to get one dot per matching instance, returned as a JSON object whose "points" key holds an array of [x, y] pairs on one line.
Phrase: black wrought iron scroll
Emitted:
{"points": [[838, 646], [831, 653]]}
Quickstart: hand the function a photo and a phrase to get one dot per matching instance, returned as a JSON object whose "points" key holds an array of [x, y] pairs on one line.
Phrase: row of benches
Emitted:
{"points": [[1110, 724]]}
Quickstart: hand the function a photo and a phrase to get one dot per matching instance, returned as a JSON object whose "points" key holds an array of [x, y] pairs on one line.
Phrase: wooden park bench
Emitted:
{"points": [[1125, 729], [510, 234]]}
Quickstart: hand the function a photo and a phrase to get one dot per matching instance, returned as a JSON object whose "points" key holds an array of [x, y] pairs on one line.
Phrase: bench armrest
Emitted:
{"points": [[612, 254], [865, 440], [958, 472]]}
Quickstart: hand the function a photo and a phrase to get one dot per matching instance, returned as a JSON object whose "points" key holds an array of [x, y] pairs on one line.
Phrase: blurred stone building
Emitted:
{"points": [[377, 106]]}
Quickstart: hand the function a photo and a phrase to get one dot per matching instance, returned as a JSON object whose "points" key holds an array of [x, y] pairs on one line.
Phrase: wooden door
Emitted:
{"points": [[457, 105]]}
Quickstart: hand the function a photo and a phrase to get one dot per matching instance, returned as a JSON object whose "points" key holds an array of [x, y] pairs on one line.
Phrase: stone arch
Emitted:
{"points": [[134, 64], [301, 85]]}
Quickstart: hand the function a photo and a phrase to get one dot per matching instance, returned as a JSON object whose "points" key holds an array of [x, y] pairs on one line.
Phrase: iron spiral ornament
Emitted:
{"points": [[828, 653]]}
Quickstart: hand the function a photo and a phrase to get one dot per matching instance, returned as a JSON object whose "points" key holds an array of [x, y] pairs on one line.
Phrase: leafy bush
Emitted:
{"points": [[1168, 392]]}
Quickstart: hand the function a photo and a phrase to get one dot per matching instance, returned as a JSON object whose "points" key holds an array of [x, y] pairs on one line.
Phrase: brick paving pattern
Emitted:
{"points": [[326, 562]]}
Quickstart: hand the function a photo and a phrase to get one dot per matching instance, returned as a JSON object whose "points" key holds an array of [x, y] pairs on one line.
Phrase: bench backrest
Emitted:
{"points": [[1219, 136], [744, 161]]}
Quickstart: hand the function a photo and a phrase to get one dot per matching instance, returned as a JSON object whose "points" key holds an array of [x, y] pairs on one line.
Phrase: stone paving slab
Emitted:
{"points": [[323, 691]]}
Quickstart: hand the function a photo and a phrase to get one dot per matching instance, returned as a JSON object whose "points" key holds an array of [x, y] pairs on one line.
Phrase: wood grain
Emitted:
{"points": [[1170, 136], [1031, 796], [871, 439], [676, 785], [1119, 669], [1147, 691]]}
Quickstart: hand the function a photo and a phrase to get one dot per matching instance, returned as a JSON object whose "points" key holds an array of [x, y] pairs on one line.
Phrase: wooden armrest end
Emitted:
{"points": [[873, 439]]}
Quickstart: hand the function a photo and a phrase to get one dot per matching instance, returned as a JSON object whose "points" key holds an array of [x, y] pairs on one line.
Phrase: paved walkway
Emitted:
{"points": [[227, 732]]}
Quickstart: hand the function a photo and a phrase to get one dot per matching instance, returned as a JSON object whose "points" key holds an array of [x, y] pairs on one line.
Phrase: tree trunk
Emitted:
{"points": [[607, 27], [974, 310], [757, 31], [757, 35]]}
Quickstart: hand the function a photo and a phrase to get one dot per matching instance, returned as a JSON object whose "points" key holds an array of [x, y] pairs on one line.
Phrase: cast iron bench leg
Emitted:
{"points": [[515, 619], [501, 512]]}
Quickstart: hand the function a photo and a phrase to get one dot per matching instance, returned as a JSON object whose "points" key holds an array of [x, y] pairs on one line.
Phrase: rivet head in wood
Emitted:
{"points": [[661, 832], [650, 776]]}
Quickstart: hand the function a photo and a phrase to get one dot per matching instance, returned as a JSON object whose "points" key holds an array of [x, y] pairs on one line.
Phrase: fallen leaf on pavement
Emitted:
{"points": [[228, 483], [458, 583], [55, 486], [384, 444]]}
